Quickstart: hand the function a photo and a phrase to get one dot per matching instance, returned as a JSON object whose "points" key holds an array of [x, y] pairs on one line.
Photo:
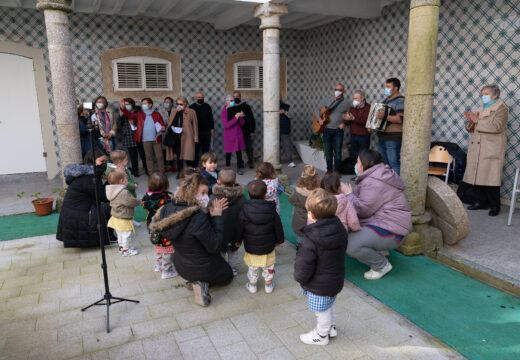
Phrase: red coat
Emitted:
{"points": [[140, 116], [357, 126]]}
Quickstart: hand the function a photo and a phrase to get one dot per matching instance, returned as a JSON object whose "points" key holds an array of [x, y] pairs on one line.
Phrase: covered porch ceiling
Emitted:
{"points": [[226, 14]]}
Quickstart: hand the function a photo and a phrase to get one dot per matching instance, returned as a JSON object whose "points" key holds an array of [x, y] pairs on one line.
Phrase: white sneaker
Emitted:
{"points": [[313, 338], [129, 252], [375, 275], [156, 268], [169, 274], [235, 272], [251, 287], [269, 287], [136, 224], [333, 331], [291, 164]]}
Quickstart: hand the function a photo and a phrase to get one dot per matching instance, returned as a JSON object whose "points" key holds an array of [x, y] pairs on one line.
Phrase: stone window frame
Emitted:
{"points": [[231, 60], [142, 61], [108, 57]]}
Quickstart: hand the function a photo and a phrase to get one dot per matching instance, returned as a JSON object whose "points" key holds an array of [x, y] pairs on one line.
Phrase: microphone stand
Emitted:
{"points": [[107, 298]]}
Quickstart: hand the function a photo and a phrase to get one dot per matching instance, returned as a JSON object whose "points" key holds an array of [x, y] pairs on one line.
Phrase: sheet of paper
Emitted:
{"points": [[158, 127], [133, 127]]}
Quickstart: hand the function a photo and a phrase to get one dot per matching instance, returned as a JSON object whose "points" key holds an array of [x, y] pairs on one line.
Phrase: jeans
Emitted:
{"points": [[333, 141], [358, 143], [391, 152], [240, 162], [152, 148], [134, 151]]}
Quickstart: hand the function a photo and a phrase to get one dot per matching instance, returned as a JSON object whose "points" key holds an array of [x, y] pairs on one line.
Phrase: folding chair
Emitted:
{"points": [[439, 154], [516, 190]]}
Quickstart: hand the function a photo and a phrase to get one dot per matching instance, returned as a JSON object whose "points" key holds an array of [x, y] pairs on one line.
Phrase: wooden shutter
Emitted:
{"points": [[129, 75], [156, 76], [246, 77], [261, 77]]}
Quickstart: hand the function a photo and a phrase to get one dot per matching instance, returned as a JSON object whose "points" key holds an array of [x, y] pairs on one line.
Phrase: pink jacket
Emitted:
{"points": [[379, 200], [347, 213], [233, 136]]}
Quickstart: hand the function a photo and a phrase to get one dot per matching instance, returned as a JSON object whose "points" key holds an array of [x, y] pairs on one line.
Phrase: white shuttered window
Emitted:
{"points": [[249, 75], [141, 73]]}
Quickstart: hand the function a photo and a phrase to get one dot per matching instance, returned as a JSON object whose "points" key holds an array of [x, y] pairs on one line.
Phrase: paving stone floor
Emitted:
{"points": [[43, 286]]}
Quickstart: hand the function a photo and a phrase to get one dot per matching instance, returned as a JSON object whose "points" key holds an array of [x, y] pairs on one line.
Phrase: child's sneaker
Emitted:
{"points": [[136, 224], [269, 287], [201, 293], [333, 331], [292, 164], [313, 338], [251, 287], [129, 252], [157, 268], [376, 275], [235, 272], [169, 274]]}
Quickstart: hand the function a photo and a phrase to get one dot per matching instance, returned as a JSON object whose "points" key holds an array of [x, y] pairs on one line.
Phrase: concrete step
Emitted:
{"points": [[481, 273]]}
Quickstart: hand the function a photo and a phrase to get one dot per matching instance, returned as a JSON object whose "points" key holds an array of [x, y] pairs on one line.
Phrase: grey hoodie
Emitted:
{"points": [[379, 200], [121, 201]]}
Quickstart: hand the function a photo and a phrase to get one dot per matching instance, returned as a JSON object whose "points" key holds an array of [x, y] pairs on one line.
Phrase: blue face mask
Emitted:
{"points": [[145, 107], [356, 170], [486, 99], [232, 103], [128, 107], [166, 106], [388, 92]]}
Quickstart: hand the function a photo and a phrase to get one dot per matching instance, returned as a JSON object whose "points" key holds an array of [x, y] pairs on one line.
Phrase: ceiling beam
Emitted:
{"points": [[235, 16], [143, 6], [96, 5], [118, 6]]}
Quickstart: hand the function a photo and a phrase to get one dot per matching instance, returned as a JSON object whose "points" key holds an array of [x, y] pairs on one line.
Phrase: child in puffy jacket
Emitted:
{"points": [[265, 172], [346, 211]]}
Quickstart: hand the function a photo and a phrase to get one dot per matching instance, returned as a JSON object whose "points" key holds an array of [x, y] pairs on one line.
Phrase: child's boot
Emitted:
{"points": [[269, 287]]}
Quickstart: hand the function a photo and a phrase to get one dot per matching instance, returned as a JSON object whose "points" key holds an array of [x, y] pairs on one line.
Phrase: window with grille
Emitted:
{"points": [[249, 75], [141, 73]]}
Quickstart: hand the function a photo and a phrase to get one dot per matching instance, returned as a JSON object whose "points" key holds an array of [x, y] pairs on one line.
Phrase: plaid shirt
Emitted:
{"points": [[318, 303], [125, 133]]}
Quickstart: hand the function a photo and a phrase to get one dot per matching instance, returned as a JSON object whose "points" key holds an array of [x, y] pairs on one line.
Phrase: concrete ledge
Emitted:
{"points": [[481, 273]]}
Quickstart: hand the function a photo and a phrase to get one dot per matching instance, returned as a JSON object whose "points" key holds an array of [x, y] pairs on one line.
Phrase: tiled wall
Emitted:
{"points": [[479, 42]]}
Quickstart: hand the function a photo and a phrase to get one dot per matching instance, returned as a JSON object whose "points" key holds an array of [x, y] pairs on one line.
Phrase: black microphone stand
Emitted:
{"points": [[108, 298]]}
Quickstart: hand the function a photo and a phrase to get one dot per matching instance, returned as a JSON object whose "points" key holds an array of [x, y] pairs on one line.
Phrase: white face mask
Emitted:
{"points": [[180, 107], [100, 105], [356, 103], [337, 93]]}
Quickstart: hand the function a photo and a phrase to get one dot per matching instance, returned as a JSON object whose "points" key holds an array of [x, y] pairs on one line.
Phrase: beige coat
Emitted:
{"points": [[487, 146], [189, 136]]}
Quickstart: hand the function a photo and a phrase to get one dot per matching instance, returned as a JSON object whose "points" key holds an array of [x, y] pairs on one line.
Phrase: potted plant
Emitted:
{"points": [[43, 206]]}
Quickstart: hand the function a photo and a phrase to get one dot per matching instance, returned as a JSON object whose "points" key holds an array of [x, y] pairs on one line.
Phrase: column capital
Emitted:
{"points": [[270, 14], [418, 3], [63, 5]]}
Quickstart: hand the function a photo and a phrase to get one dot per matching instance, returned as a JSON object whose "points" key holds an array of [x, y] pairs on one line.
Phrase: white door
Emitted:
{"points": [[21, 144]]}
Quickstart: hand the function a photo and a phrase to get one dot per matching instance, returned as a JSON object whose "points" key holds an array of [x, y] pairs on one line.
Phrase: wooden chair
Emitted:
{"points": [[440, 155], [516, 190]]}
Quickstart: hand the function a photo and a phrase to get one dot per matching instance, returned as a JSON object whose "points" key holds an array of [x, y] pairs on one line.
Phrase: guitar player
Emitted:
{"points": [[333, 133]]}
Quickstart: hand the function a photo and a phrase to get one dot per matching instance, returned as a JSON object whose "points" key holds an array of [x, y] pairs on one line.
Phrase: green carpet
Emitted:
{"points": [[28, 225], [475, 319]]}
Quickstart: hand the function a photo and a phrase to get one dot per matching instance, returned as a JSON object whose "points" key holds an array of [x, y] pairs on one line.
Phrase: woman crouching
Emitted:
{"points": [[196, 236]]}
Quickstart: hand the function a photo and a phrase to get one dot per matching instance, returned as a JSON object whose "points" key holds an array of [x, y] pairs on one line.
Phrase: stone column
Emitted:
{"points": [[58, 40], [420, 86], [269, 14]]}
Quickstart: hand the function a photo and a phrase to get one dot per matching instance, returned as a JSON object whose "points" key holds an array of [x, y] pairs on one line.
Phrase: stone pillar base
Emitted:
{"points": [[59, 199], [423, 239]]}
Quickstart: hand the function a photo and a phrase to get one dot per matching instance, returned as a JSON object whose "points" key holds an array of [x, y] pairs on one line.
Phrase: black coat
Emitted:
{"points": [[320, 259], [259, 226], [250, 122], [77, 225], [236, 200], [197, 238]]}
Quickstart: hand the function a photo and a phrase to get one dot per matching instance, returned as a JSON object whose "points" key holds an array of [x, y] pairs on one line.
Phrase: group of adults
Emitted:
{"points": [[486, 151], [174, 131], [354, 114]]}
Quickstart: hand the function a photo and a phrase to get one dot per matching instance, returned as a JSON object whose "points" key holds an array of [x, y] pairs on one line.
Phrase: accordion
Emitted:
{"points": [[373, 123]]}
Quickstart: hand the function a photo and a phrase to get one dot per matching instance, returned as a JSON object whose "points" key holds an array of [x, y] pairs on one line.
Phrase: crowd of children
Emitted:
{"points": [[208, 218]]}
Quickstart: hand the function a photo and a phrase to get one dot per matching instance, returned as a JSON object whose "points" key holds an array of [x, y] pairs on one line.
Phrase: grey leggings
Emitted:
{"points": [[365, 244]]}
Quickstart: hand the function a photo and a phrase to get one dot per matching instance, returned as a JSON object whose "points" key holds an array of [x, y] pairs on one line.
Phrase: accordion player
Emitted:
{"points": [[373, 123]]}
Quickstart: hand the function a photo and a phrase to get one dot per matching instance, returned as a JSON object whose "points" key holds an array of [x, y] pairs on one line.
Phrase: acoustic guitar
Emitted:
{"points": [[325, 116]]}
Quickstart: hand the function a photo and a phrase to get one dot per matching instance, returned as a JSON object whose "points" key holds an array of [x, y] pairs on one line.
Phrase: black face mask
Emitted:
{"points": [[100, 169], [237, 100], [200, 101]]}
